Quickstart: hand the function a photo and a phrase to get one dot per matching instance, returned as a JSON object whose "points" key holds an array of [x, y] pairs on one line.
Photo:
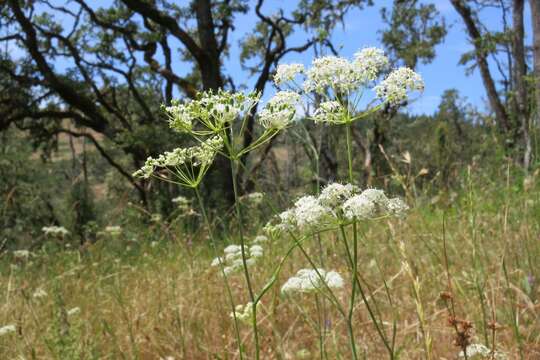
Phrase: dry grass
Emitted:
{"points": [[162, 301]]}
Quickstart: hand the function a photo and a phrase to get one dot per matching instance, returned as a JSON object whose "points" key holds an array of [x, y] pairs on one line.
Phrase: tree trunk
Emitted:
{"points": [[220, 176], [497, 106], [520, 72], [535, 13]]}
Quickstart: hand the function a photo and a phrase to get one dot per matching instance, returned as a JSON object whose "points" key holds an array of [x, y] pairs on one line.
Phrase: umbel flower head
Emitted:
{"points": [[341, 83], [395, 88], [187, 165], [280, 110], [337, 203], [260, 239], [480, 351], [232, 258], [331, 112], [55, 230], [213, 111], [309, 280], [7, 329], [336, 73], [244, 313], [370, 62], [287, 72]]}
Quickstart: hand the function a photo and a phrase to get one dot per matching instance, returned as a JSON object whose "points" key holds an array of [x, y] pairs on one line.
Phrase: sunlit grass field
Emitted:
{"points": [[150, 292]]}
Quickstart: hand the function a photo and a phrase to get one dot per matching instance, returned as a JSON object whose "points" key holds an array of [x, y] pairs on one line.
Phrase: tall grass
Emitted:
{"points": [[160, 298]]}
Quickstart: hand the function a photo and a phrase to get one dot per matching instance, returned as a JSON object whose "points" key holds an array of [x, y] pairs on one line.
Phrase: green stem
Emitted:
{"points": [[229, 292], [354, 259], [234, 173], [362, 293], [349, 152]]}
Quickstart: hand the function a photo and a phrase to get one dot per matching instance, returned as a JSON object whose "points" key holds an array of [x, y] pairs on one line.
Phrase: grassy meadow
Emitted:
{"points": [[149, 292]]}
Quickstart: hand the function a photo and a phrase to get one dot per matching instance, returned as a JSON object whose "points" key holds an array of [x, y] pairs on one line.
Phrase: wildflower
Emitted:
{"points": [[216, 261], [224, 107], [280, 110], [371, 203], [39, 293], [396, 206], [256, 251], [359, 207], [232, 259], [21, 254], [287, 72], [309, 212], [376, 196], [7, 329], [243, 313], [287, 220], [180, 116], [480, 351], [331, 112], [335, 194], [332, 72], [213, 110], [147, 169], [370, 62], [303, 354], [113, 230], [54, 230], [308, 280], [233, 256], [254, 198], [200, 156], [74, 311], [259, 239], [181, 201], [395, 88], [232, 249]]}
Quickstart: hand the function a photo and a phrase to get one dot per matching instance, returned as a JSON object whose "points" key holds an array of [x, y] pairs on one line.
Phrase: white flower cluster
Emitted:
{"points": [[181, 201], [7, 329], [213, 110], [330, 111], [232, 259], [180, 116], [260, 239], [340, 81], [280, 110], [395, 88], [370, 62], [201, 155], [22, 254], [54, 230], [480, 351], [39, 293], [254, 198], [332, 72], [337, 202], [74, 311], [244, 313], [113, 230], [371, 203], [287, 72], [309, 280], [334, 194]]}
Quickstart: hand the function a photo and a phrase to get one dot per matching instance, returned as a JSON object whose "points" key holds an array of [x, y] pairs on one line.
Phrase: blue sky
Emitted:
{"points": [[362, 29]]}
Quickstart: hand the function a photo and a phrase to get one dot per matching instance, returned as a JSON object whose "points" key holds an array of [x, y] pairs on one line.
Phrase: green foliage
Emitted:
{"points": [[27, 191], [414, 30]]}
